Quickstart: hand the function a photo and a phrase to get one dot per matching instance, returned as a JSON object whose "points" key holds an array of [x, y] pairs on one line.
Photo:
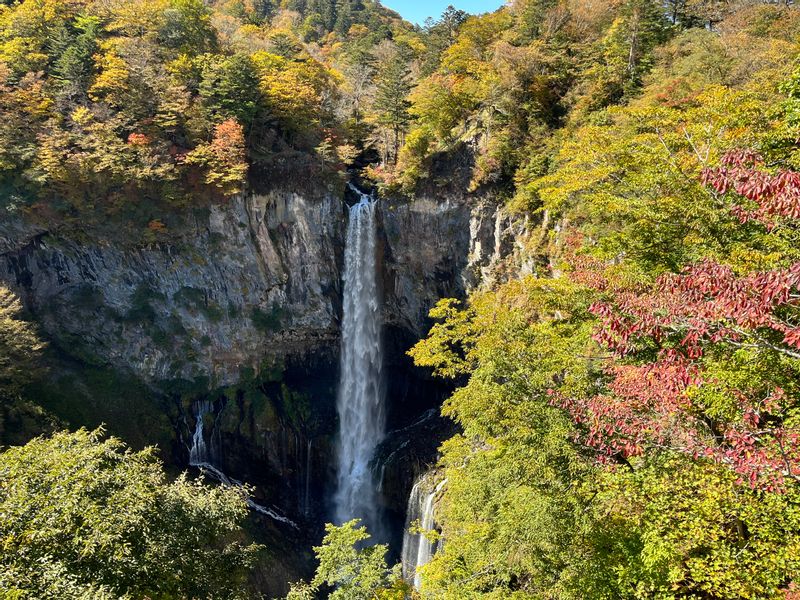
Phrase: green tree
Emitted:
{"points": [[344, 17], [82, 516], [354, 571], [229, 88], [441, 35], [186, 26], [20, 355], [391, 102], [514, 512], [528, 511], [75, 66], [326, 9], [626, 51], [532, 15], [282, 43], [19, 345]]}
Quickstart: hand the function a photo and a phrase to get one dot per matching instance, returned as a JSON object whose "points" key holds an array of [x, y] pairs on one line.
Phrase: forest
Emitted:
{"points": [[621, 382]]}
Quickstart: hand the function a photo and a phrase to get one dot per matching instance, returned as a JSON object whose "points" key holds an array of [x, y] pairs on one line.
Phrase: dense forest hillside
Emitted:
{"points": [[609, 191], [132, 110]]}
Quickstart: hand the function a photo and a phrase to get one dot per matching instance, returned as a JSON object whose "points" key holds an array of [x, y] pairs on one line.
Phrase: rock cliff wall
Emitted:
{"points": [[257, 278], [251, 280], [242, 308]]}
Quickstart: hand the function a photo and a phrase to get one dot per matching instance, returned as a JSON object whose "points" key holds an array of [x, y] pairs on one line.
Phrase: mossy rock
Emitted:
{"points": [[90, 396]]}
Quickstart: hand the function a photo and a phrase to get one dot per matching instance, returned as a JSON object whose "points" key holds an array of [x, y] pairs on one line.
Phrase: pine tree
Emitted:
{"points": [[344, 17], [391, 101], [326, 9], [532, 15], [74, 66]]}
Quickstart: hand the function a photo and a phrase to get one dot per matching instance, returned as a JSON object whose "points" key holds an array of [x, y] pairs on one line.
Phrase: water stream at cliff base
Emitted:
{"points": [[200, 456]]}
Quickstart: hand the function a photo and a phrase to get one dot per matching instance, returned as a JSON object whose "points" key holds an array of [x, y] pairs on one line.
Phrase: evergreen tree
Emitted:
{"points": [[344, 17], [441, 35], [300, 6], [325, 9], [229, 88], [391, 102], [75, 65], [329, 13], [531, 15]]}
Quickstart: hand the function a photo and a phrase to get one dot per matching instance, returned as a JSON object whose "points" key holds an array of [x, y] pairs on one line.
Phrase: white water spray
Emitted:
{"points": [[359, 402], [417, 550], [307, 494]]}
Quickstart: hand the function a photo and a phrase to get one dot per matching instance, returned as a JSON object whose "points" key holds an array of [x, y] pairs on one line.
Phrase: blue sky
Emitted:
{"points": [[417, 10]]}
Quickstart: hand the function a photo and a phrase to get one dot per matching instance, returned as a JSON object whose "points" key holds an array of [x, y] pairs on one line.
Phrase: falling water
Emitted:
{"points": [[417, 549], [307, 495], [359, 402], [199, 453], [200, 457]]}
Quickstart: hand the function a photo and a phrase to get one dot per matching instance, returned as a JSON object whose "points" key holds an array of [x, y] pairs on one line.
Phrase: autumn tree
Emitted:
{"points": [[223, 159], [629, 413], [293, 91], [704, 310], [186, 26], [626, 51]]}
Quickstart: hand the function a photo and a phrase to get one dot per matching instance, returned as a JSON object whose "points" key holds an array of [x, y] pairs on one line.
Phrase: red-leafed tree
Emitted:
{"points": [[224, 158], [666, 336]]}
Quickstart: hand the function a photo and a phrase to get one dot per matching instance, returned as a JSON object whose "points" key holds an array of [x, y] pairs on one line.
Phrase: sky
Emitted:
{"points": [[417, 11]]}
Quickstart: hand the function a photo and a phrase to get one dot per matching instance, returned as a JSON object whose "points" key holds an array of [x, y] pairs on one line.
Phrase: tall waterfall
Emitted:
{"points": [[417, 550], [360, 398]]}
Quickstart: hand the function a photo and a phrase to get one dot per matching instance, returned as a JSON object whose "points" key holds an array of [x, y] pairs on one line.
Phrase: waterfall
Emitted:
{"points": [[200, 457], [215, 473], [417, 550], [307, 495], [359, 402], [199, 452]]}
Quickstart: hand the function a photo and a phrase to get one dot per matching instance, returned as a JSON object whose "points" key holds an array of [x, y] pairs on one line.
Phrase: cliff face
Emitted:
{"points": [[441, 247], [254, 280], [243, 309]]}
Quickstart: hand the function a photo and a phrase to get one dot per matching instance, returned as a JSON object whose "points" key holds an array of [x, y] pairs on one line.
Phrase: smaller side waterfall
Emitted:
{"points": [[307, 492], [199, 453], [417, 549], [200, 457]]}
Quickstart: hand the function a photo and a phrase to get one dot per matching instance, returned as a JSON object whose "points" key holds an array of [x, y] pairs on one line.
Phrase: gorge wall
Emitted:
{"points": [[242, 310]]}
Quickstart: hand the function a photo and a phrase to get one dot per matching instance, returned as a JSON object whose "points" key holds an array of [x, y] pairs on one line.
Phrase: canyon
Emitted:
{"points": [[232, 333]]}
